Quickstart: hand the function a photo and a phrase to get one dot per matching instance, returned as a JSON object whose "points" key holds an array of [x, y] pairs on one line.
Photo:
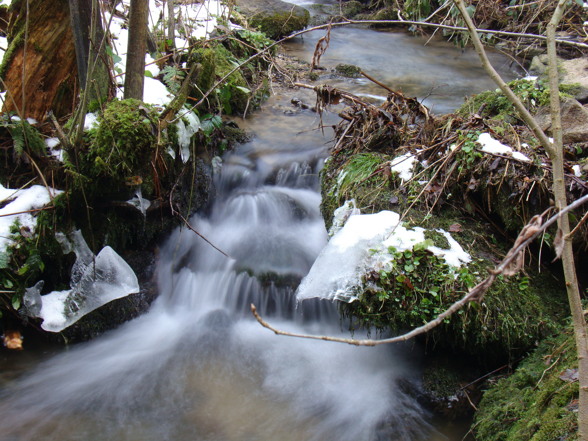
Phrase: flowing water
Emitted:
{"points": [[197, 366]]}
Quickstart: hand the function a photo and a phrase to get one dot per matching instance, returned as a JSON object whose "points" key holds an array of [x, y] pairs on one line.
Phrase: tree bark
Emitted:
{"points": [[135, 69], [40, 71], [90, 48], [560, 196]]}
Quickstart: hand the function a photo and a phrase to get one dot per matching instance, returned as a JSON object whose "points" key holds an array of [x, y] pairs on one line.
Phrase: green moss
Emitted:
{"points": [[280, 23], [494, 104], [348, 70], [13, 45], [438, 239], [121, 149], [534, 403], [218, 61], [416, 286]]}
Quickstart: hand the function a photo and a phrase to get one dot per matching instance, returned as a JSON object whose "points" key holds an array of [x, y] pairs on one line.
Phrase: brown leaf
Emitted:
{"points": [[455, 228], [558, 244], [13, 340], [569, 375]]}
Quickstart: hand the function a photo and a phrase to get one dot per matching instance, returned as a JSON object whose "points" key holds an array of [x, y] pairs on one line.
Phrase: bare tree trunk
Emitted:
{"points": [[135, 69], [560, 195]]}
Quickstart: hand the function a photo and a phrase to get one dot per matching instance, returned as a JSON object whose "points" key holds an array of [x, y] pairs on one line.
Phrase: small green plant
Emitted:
{"points": [[469, 152], [173, 77]]}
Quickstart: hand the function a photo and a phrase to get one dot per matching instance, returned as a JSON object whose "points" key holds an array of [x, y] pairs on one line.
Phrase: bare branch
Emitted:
{"points": [[476, 294]]}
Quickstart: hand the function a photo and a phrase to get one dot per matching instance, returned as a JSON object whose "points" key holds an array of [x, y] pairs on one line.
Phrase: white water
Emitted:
{"points": [[197, 366]]}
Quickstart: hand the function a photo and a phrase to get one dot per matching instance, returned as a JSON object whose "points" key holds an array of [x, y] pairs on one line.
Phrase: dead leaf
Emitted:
{"points": [[13, 340], [569, 375], [132, 181], [455, 228], [558, 244]]}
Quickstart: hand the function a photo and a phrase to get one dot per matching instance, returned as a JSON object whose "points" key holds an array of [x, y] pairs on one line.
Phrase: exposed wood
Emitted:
{"points": [[50, 75]]}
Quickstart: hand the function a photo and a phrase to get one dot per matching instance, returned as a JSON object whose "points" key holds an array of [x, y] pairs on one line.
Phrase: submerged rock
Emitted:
{"points": [[275, 18]]}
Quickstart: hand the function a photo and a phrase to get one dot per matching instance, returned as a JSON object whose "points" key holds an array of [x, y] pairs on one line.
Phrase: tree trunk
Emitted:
{"points": [[39, 69], [135, 69], [90, 48]]}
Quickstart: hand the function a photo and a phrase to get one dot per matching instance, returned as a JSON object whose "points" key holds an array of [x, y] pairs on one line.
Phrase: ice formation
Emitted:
{"points": [[95, 281], [363, 244]]}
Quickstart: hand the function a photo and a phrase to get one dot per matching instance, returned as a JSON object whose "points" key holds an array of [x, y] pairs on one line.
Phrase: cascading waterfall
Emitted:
{"points": [[197, 366]]}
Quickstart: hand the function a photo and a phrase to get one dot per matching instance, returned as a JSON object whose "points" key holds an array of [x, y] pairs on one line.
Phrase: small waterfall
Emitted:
{"points": [[197, 366]]}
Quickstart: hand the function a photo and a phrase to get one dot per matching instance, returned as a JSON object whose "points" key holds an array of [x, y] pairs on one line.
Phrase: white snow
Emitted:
{"points": [[362, 244], [403, 165], [95, 282], [91, 121], [156, 93], [21, 201], [54, 149], [577, 170], [493, 146]]}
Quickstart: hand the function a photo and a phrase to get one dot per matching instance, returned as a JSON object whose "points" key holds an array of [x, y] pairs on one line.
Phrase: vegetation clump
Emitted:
{"points": [[539, 401]]}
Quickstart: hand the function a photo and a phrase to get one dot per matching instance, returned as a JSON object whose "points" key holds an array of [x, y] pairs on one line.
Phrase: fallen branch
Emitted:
{"points": [[510, 263]]}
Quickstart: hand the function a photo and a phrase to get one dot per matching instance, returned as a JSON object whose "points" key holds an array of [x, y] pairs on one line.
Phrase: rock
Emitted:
{"points": [[576, 72], [275, 18], [574, 120], [571, 72]]}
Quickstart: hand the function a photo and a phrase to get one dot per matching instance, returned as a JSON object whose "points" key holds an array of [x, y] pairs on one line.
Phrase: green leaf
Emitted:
{"points": [[148, 74], [16, 301], [243, 89]]}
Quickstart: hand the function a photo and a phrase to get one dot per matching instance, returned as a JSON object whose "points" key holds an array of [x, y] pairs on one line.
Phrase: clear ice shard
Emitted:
{"points": [[95, 281], [339, 266]]}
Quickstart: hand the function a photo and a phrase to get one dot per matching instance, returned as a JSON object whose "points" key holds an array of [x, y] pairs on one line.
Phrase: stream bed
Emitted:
{"points": [[197, 366]]}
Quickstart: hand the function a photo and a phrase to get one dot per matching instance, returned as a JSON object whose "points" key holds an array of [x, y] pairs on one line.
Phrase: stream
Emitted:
{"points": [[197, 366]]}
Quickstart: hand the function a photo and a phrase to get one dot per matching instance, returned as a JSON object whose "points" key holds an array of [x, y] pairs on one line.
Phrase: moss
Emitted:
{"points": [[280, 23], [438, 239], [348, 70], [218, 61], [13, 45], [534, 403]]}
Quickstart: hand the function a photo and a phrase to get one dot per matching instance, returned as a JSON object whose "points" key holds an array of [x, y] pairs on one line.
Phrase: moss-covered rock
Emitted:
{"points": [[274, 18], [536, 403]]}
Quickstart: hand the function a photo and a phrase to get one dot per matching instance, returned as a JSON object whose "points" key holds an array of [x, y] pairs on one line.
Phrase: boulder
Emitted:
{"points": [[275, 18], [574, 120]]}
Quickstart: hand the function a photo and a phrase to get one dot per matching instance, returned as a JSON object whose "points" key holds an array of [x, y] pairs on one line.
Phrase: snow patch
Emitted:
{"points": [[21, 201], [493, 146], [403, 165], [363, 244]]}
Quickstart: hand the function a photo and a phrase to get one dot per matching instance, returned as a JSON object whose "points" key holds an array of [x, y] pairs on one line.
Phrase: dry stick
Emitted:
{"points": [[33, 210], [200, 235], [349, 97]]}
